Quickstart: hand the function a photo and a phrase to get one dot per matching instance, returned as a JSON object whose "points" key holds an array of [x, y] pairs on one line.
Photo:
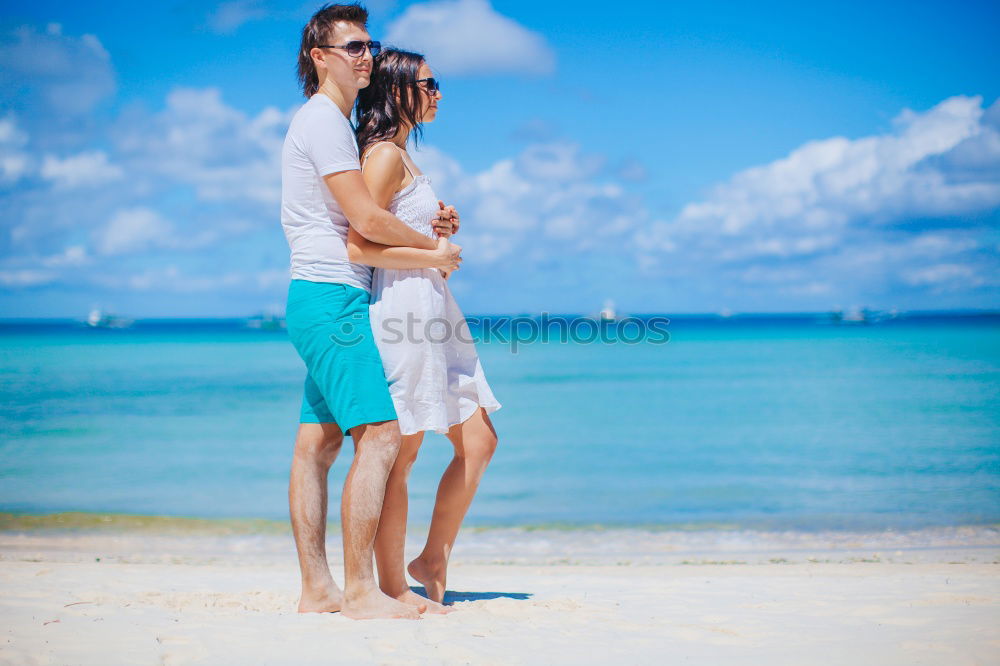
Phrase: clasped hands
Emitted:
{"points": [[445, 226]]}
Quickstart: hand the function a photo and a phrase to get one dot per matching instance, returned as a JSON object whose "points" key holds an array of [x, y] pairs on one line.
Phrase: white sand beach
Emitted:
{"points": [[522, 597]]}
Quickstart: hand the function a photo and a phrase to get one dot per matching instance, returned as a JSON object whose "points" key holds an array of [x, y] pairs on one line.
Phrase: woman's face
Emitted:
{"points": [[427, 101]]}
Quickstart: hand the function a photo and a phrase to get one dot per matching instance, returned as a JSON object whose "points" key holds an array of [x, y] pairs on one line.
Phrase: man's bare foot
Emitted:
{"points": [[431, 577], [413, 599], [374, 604], [328, 600]]}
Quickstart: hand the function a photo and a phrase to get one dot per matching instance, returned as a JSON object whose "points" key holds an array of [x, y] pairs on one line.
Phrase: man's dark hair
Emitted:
{"points": [[320, 30]]}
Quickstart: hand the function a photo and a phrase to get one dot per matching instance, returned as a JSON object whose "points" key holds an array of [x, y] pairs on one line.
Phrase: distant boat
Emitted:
{"points": [[608, 312], [266, 322], [100, 319], [606, 315], [861, 316]]}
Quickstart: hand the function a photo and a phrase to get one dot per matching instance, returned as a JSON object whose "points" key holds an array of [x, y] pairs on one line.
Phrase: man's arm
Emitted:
{"points": [[360, 250], [374, 223]]}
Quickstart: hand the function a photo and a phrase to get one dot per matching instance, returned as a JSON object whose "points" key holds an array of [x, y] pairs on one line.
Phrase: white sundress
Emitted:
{"points": [[434, 374]]}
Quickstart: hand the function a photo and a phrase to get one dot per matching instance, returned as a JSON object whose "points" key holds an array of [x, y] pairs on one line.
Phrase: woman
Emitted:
{"points": [[435, 378]]}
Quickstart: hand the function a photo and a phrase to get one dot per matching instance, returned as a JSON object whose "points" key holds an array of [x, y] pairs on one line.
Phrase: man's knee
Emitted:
{"points": [[319, 441], [382, 439]]}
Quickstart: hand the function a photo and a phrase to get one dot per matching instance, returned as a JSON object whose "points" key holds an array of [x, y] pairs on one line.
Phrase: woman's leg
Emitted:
{"points": [[391, 536], [475, 440]]}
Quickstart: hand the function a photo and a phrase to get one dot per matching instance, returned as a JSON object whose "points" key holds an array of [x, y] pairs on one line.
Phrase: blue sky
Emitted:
{"points": [[675, 157]]}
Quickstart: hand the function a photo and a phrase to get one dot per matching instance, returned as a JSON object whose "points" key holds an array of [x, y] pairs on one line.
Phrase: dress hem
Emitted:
{"points": [[489, 407]]}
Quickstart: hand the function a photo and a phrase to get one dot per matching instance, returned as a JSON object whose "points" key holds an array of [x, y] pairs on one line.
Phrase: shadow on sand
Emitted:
{"points": [[451, 597]]}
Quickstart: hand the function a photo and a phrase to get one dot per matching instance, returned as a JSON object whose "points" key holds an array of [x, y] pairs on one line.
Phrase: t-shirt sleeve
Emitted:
{"points": [[330, 143]]}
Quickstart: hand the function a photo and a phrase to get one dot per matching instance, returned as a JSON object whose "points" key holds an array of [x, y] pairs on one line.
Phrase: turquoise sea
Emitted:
{"points": [[761, 422]]}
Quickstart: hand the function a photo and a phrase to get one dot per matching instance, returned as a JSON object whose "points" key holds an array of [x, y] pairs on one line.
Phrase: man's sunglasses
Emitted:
{"points": [[356, 49], [432, 85]]}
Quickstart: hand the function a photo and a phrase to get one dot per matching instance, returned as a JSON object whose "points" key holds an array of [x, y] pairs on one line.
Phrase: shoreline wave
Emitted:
{"points": [[223, 526]]}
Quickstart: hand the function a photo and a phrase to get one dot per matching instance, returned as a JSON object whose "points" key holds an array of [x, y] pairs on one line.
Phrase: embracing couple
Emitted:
{"points": [[370, 250]]}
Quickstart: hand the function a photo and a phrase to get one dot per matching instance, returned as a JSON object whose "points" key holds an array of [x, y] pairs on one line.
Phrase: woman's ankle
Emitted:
{"points": [[430, 563]]}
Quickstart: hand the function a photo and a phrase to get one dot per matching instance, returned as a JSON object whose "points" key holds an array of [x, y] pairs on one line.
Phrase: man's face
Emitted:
{"points": [[343, 70]]}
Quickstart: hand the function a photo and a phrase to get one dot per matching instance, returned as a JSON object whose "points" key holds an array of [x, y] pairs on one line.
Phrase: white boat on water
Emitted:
{"points": [[608, 312], [267, 321], [861, 316], [97, 318]]}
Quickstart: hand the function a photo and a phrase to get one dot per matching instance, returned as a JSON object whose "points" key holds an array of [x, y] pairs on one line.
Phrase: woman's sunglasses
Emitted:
{"points": [[432, 85], [356, 49]]}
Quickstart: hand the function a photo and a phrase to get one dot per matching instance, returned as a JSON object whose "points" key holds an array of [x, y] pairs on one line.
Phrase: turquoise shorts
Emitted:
{"points": [[345, 383]]}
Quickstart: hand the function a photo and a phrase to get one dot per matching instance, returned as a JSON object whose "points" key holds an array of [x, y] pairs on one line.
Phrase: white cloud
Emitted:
{"points": [[470, 37], [228, 17], [14, 162], [10, 133], [26, 277], [633, 170], [943, 274], [558, 161], [907, 209], [198, 172], [826, 186], [13, 165], [133, 230], [547, 192], [814, 288], [171, 278], [69, 74], [201, 141], [32, 271], [277, 277], [85, 169], [74, 255]]}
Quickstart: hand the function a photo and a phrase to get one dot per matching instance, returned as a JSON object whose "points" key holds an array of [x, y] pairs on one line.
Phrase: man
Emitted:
{"points": [[327, 315]]}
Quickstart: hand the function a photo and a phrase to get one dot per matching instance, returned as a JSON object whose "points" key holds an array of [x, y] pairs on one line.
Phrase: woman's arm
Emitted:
{"points": [[383, 173]]}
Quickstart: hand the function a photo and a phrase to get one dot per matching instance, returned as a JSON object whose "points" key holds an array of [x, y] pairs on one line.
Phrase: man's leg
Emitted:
{"points": [[329, 326], [375, 448], [316, 447], [475, 440]]}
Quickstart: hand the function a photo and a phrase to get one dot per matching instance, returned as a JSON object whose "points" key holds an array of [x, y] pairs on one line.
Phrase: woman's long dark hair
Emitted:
{"points": [[378, 113]]}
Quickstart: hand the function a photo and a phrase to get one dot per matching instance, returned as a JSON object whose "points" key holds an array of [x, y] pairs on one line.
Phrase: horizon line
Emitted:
{"points": [[727, 314]]}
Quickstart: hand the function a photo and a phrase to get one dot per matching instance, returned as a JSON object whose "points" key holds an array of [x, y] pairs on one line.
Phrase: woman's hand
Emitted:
{"points": [[447, 256]]}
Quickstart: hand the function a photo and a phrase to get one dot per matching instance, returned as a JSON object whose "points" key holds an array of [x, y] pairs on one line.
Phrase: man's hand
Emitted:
{"points": [[447, 221], [448, 256], [442, 225]]}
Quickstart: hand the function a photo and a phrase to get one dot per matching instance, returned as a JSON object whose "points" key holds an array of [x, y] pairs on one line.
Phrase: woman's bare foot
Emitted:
{"points": [[328, 600], [374, 604], [432, 577], [413, 599]]}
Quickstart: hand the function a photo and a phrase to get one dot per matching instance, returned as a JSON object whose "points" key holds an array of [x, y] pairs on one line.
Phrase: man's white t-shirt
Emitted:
{"points": [[320, 141]]}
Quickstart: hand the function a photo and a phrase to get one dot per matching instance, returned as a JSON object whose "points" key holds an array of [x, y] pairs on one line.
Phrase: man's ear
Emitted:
{"points": [[317, 54]]}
